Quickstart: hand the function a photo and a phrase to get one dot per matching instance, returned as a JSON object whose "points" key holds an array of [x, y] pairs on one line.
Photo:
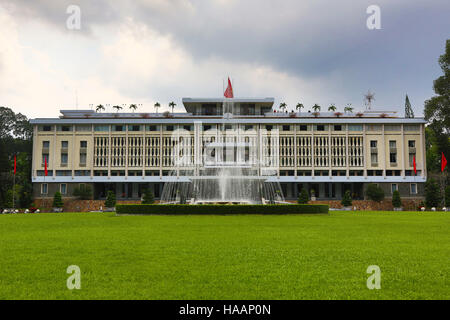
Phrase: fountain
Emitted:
{"points": [[228, 173]]}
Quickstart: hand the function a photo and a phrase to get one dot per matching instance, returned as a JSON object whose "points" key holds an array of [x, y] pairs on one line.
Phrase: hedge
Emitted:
{"points": [[174, 209]]}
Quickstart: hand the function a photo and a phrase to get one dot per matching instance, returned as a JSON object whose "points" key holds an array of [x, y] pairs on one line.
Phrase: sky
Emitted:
{"points": [[148, 51]]}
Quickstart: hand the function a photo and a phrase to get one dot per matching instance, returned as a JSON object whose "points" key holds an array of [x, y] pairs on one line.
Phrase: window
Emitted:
{"points": [[152, 128], [169, 128], [83, 157], [64, 159], [207, 127], [248, 127], [187, 127], [101, 128], [411, 127], [413, 188], [411, 143], [63, 188], [394, 187], [64, 144], [374, 127], [228, 127], [45, 157], [393, 157], [45, 128], [45, 152], [44, 188], [392, 127], [64, 128], [45, 144], [337, 127], [83, 128], [303, 127], [118, 128], [269, 127], [134, 128], [373, 143], [392, 144], [355, 127], [320, 127], [83, 144], [286, 128], [374, 159]]}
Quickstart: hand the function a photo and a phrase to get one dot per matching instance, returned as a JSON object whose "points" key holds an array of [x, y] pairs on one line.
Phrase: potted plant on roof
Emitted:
{"points": [[299, 107], [338, 114], [359, 114], [316, 109], [283, 106], [348, 108], [332, 108], [383, 115]]}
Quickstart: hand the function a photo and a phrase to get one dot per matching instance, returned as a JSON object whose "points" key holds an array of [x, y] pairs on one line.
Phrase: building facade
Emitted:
{"points": [[325, 152]]}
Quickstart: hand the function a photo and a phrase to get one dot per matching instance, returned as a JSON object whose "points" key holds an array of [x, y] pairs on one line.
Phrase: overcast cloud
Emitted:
{"points": [[295, 51]]}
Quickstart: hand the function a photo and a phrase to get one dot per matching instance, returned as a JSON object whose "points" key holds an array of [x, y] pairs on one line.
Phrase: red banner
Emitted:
{"points": [[229, 92], [45, 168], [443, 162], [414, 164]]}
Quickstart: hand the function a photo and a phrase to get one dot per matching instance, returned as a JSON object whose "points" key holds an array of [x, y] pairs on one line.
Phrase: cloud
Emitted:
{"points": [[309, 51]]}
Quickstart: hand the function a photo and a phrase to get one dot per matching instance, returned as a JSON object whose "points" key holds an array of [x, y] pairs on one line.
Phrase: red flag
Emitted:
{"points": [[443, 162], [45, 168], [229, 92], [15, 164], [414, 164]]}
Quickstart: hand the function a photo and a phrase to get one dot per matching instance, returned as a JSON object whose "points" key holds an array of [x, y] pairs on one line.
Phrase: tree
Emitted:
{"points": [[110, 199], [133, 107], [396, 201], [283, 106], [437, 108], [117, 107], [433, 196], [303, 197], [299, 106], [347, 199], [99, 108], [157, 105], [148, 197], [316, 108], [83, 192], [332, 108], [374, 192], [57, 200], [348, 109], [447, 196], [172, 105]]}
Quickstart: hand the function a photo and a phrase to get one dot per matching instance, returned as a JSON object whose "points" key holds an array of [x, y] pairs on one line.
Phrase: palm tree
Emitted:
{"points": [[299, 106], [157, 105], [99, 108], [332, 108], [348, 108], [133, 107], [283, 106], [117, 108], [172, 105], [316, 107]]}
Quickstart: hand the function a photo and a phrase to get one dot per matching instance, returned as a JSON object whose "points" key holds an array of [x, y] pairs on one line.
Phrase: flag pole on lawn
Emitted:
{"points": [[14, 182]]}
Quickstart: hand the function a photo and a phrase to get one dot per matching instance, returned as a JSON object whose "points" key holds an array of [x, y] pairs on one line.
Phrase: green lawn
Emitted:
{"points": [[226, 257]]}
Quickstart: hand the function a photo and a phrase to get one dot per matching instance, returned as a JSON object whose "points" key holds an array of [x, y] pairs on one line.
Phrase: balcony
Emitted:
{"points": [[412, 150], [373, 150]]}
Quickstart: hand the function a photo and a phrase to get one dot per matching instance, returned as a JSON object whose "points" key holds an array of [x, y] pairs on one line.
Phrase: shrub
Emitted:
{"points": [[83, 192], [57, 200], [433, 196], [110, 199], [148, 197], [374, 192], [347, 199], [396, 201], [207, 209], [447, 196], [303, 197]]}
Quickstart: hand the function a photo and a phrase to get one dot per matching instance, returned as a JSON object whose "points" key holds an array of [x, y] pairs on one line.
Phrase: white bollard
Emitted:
{"points": [[422, 208], [433, 209]]}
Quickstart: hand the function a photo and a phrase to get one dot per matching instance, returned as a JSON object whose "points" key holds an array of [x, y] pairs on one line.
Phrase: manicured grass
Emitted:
{"points": [[226, 257]]}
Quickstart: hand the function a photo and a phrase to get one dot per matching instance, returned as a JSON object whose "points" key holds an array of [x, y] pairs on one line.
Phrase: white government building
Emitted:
{"points": [[322, 151]]}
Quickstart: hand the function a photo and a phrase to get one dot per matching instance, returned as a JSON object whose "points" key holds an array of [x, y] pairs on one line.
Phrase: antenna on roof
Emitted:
{"points": [[368, 98], [409, 113]]}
